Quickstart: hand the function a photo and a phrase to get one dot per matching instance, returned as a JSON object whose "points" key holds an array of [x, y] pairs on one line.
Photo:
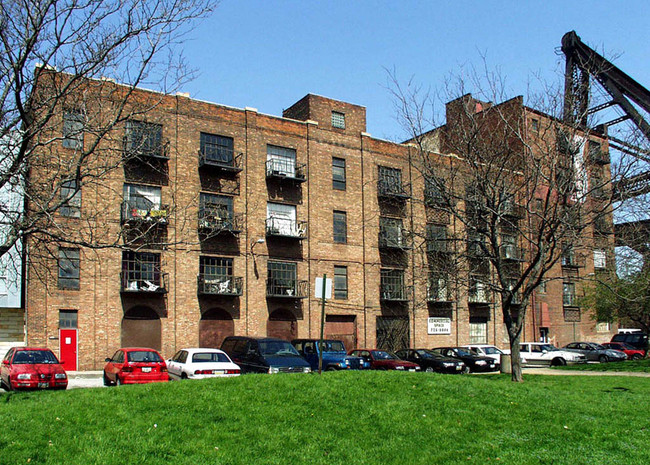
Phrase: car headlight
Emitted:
{"points": [[274, 370], [307, 370], [448, 364], [24, 376], [59, 376], [481, 362], [344, 364], [399, 368]]}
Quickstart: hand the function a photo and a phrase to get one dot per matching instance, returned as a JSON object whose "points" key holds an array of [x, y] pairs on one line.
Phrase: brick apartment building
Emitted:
{"points": [[227, 216]]}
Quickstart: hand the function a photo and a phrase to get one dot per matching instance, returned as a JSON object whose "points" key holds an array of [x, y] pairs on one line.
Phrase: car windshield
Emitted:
{"points": [[428, 354], [333, 346], [34, 357], [277, 348], [383, 355], [143, 356], [545, 347], [205, 357], [491, 351], [598, 347], [465, 352]]}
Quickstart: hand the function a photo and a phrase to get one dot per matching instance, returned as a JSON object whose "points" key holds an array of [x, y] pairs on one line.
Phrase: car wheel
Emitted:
{"points": [[558, 362], [636, 357], [118, 381], [429, 370], [603, 359], [107, 382], [184, 376], [466, 370], [8, 385]]}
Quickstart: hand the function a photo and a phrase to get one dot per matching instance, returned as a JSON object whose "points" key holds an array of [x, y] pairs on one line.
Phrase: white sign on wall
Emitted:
{"points": [[319, 288], [439, 326]]}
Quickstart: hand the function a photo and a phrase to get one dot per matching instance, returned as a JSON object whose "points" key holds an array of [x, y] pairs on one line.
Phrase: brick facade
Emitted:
{"points": [[117, 305]]}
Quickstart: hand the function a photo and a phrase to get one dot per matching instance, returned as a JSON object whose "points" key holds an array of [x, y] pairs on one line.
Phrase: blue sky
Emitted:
{"points": [[269, 54]]}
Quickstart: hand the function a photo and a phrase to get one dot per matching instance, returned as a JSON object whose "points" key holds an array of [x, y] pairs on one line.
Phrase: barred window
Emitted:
{"points": [[73, 129], [215, 267], [144, 138], [217, 148]]}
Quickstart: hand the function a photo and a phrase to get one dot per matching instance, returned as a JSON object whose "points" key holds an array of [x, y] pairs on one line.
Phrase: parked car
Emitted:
{"points": [[201, 363], [384, 360], [475, 363], [638, 340], [335, 357], [264, 355], [541, 353], [595, 352], [135, 365], [487, 350], [632, 352], [32, 368], [432, 362]]}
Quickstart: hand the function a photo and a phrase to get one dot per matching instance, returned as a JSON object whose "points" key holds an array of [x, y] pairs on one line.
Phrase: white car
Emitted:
{"points": [[541, 353], [201, 363], [487, 350]]}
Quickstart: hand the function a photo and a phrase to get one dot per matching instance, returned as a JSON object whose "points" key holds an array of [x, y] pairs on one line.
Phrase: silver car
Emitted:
{"points": [[595, 352]]}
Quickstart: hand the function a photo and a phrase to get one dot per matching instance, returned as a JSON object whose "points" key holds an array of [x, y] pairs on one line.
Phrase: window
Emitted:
{"points": [[68, 268], [390, 181], [217, 148], [67, 319], [281, 220], [569, 298], [338, 120], [568, 256], [70, 199], [391, 232], [603, 327], [340, 227], [534, 124], [600, 259], [392, 284], [340, 282], [4, 289], [434, 192], [478, 330], [436, 238], [215, 210], [542, 287], [142, 199], [73, 129], [281, 160], [281, 279], [141, 271], [144, 138], [338, 173], [216, 267]]}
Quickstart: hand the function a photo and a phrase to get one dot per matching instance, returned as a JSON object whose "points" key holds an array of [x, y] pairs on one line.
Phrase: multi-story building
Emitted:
{"points": [[227, 216]]}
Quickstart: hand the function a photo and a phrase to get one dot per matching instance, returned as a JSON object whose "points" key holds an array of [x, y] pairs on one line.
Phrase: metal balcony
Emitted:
{"points": [[512, 210], [213, 221], [286, 169], [132, 213], [222, 159], [392, 239], [287, 228], [134, 151], [511, 252], [389, 189], [144, 282], [286, 288], [220, 285], [438, 289], [392, 289]]}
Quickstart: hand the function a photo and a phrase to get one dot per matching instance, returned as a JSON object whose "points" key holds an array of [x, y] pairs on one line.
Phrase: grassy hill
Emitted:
{"points": [[359, 418]]}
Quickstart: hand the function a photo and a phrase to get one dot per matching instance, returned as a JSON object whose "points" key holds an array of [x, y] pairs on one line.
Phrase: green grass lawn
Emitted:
{"points": [[351, 418], [635, 366]]}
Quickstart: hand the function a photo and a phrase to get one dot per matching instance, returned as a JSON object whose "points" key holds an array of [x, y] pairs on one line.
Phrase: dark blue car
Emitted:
{"points": [[264, 355], [334, 355]]}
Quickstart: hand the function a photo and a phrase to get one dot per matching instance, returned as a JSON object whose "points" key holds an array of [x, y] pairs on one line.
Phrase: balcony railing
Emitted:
{"points": [[286, 169], [221, 159], [478, 291], [286, 288], [511, 252], [392, 239], [131, 212], [513, 210], [392, 289], [284, 227], [210, 284], [214, 221], [145, 151], [144, 282], [389, 189], [438, 289]]}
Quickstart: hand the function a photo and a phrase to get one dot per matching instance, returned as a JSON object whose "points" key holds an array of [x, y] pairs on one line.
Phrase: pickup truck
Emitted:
{"points": [[334, 355]]}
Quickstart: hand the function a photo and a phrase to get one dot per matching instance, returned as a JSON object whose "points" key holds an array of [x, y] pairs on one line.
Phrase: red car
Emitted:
{"points": [[632, 352], [32, 368], [384, 360], [135, 365]]}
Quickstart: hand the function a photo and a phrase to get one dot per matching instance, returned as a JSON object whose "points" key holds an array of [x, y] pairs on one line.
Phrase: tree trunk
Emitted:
{"points": [[515, 358]]}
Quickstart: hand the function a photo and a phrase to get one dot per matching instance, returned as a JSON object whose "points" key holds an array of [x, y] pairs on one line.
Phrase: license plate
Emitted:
{"points": [[457, 367], [411, 369], [43, 385], [146, 369], [217, 372]]}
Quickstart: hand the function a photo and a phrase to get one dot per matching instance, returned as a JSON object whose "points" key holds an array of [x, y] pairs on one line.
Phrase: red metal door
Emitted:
{"points": [[68, 349]]}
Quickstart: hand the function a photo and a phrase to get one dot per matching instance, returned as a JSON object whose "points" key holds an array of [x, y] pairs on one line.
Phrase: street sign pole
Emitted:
{"points": [[322, 327]]}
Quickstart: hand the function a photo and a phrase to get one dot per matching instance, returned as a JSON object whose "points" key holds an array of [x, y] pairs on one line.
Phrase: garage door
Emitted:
{"points": [[282, 324], [141, 328], [215, 325], [342, 328]]}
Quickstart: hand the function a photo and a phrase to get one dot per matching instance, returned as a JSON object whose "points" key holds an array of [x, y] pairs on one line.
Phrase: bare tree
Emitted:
{"points": [[60, 107], [519, 185]]}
